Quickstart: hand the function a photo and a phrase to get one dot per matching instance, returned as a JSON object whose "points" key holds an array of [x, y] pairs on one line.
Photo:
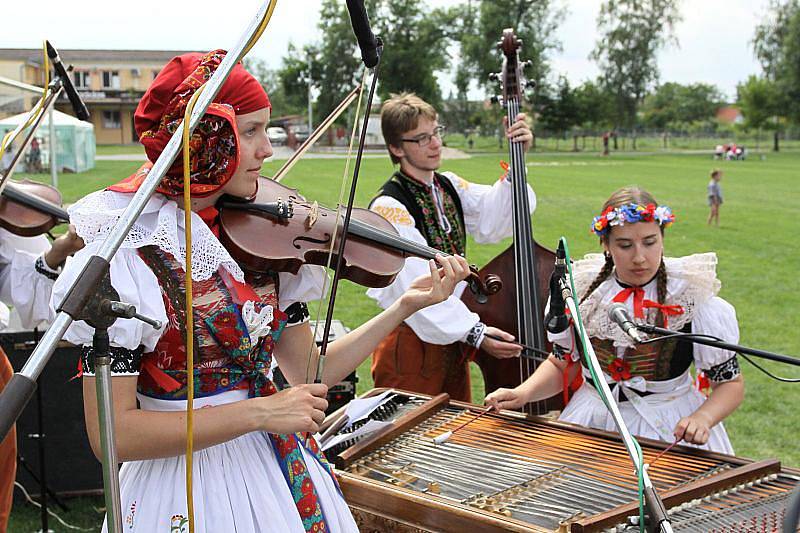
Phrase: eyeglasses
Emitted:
{"points": [[424, 139]]}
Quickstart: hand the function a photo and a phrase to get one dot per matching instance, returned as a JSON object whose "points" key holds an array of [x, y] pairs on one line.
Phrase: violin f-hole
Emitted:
{"points": [[324, 240]]}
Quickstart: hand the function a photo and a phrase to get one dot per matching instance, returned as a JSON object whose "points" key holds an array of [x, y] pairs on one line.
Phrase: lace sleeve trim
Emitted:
{"points": [[123, 361], [723, 372]]}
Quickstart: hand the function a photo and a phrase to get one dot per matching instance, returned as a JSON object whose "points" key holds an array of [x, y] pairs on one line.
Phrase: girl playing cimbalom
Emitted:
{"points": [[651, 382]]}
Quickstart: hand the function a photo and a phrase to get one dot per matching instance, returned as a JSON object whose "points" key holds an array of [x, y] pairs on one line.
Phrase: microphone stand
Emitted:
{"points": [[659, 521], [699, 338]]}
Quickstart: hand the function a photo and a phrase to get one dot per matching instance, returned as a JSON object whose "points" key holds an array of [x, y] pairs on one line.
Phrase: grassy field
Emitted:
{"points": [[756, 243]]}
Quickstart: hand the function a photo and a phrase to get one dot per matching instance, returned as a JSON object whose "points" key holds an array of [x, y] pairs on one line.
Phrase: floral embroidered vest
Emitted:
{"points": [[418, 199], [227, 359], [655, 361]]}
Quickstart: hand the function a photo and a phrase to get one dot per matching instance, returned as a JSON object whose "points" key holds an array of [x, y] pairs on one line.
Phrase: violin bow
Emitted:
{"points": [[314, 137], [371, 50]]}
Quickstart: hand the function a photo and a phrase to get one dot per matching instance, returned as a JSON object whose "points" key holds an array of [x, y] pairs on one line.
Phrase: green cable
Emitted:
{"points": [[595, 378]]}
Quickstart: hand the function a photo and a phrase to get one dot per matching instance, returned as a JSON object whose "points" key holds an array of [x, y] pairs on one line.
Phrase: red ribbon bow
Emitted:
{"points": [[640, 303]]}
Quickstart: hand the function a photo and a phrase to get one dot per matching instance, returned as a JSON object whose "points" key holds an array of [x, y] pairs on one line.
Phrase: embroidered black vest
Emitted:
{"points": [[417, 199]]}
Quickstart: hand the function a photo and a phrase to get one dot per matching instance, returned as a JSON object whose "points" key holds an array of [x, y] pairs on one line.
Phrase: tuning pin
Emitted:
{"points": [[494, 76]]}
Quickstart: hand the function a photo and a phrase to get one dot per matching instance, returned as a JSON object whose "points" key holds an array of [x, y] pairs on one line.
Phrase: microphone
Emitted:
{"points": [[371, 47], [556, 320], [619, 314], [77, 104]]}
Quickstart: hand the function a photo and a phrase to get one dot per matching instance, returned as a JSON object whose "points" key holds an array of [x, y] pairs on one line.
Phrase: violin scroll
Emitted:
{"points": [[483, 288]]}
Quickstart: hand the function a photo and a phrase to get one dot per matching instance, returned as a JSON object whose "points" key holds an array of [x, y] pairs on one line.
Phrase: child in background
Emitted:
{"points": [[714, 196]]}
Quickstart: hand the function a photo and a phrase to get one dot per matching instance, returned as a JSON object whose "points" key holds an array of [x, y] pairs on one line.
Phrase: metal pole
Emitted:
{"points": [[53, 149], [308, 80], [105, 415]]}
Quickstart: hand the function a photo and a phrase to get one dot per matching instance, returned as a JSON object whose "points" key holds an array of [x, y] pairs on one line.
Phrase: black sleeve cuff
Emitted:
{"points": [[724, 371], [42, 268], [297, 313], [123, 361]]}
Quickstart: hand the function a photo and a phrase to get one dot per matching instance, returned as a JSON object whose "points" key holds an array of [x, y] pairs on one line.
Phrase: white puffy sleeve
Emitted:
{"points": [[296, 290], [25, 279], [135, 283], [718, 318], [444, 323], [487, 208]]}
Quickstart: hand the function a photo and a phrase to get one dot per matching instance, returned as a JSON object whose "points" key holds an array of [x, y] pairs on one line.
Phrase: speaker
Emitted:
{"points": [[71, 467]]}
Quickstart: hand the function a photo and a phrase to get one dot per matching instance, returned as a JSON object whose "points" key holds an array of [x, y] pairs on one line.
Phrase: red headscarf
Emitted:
{"points": [[214, 146]]}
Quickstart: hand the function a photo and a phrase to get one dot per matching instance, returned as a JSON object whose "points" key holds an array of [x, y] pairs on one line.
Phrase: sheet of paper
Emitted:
{"points": [[370, 427], [362, 407]]}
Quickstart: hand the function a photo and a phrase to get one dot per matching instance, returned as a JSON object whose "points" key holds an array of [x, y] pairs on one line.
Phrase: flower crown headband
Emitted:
{"points": [[629, 214]]}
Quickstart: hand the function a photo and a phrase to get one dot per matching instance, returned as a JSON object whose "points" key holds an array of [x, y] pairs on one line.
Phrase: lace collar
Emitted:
{"points": [[160, 224]]}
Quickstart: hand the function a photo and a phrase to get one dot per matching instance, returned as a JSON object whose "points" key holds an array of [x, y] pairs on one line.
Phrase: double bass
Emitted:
{"points": [[525, 266]]}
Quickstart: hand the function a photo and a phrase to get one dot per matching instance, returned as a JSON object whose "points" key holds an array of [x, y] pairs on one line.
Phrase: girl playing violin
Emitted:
{"points": [[252, 471], [651, 382]]}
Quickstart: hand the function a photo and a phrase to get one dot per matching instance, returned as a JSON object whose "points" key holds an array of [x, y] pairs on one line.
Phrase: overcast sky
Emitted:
{"points": [[714, 35]]}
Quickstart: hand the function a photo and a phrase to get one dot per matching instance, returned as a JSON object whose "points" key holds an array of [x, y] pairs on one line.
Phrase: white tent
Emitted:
{"points": [[74, 139]]}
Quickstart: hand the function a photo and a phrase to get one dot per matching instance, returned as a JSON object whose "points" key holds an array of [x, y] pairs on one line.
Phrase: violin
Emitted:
{"points": [[278, 230], [29, 208]]}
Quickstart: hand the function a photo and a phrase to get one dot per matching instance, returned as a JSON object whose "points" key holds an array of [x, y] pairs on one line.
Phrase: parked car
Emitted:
{"points": [[276, 135]]}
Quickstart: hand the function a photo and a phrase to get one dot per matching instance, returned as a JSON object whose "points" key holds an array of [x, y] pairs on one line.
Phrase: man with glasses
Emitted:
{"points": [[437, 209]]}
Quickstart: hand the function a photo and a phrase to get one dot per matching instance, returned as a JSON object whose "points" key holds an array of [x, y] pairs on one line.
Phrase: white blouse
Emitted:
{"points": [[161, 224], [21, 284], [487, 217], [691, 283]]}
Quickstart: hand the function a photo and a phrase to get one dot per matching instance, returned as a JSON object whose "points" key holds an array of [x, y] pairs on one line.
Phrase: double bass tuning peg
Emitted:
{"points": [[496, 99], [494, 76], [527, 64]]}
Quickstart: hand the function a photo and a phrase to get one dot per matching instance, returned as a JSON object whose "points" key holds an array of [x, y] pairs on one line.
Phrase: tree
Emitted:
{"points": [[534, 23], [332, 65], [632, 32], [758, 99], [559, 113], [416, 48], [593, 106], [777, 46], [672, 102], [270, 80]]}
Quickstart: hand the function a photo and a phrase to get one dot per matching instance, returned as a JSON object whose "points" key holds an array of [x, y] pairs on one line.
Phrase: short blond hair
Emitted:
{"points": [[399, 115]]}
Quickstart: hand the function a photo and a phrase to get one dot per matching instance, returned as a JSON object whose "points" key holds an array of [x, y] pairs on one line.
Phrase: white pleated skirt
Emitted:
{"points": [[238, 486], [586, 408]]}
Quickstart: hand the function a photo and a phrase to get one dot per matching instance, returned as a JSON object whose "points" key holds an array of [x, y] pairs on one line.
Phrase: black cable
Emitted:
{"points": [[690, 336]]}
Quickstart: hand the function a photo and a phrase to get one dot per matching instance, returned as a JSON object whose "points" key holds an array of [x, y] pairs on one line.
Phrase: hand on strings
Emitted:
{"points": [[519, 131], [694, 429], [439, 285], [505, 399], [63, 247], [300, 408], [497, 348]]}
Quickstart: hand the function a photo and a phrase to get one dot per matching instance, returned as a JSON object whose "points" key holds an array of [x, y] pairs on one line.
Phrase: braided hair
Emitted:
{"points": [[620, 197]]}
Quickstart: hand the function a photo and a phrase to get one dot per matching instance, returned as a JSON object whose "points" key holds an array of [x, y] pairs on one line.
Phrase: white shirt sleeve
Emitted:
{"points": [[487, 208], [718, 318], [135, 283], [444, 323], [305, 286], [21, 285]]}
